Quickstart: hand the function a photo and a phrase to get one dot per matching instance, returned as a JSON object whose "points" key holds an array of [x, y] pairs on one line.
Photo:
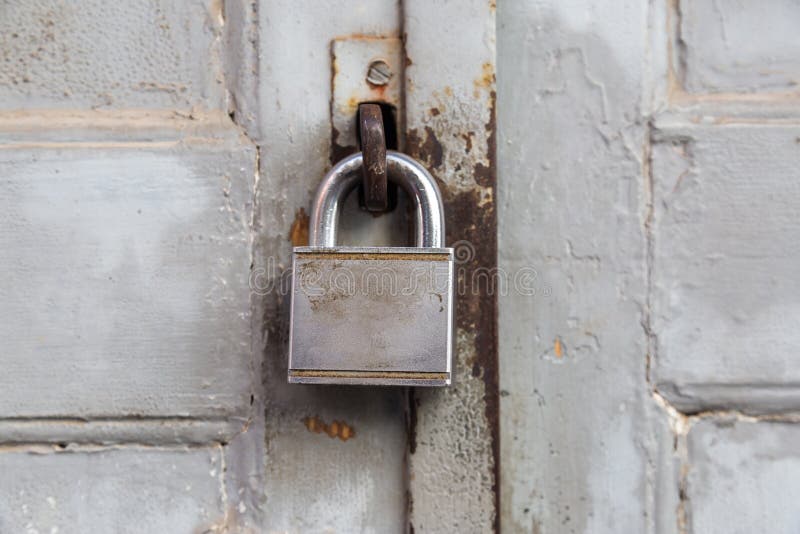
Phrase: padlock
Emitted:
{"points": [[373, 315]]}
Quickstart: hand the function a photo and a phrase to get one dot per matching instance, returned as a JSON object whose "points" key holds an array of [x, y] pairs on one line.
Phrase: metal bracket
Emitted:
{"points": [[365, 69]]}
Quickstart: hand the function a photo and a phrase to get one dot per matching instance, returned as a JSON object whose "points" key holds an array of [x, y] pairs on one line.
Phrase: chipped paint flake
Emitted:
{"points": [[557, 349]]}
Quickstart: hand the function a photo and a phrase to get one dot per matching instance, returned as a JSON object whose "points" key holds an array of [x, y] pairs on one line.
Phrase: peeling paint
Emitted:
{"points": [[450, 113], [427, 146], [486, 80]]}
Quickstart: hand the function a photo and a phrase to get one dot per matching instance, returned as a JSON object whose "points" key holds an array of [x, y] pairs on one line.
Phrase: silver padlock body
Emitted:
{"points": [[372, 316]]}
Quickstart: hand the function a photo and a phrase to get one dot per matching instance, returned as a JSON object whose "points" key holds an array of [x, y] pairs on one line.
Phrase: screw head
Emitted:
{"points": [[379, 72]]}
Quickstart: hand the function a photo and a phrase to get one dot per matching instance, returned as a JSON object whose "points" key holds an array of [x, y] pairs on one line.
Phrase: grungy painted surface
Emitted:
{"points": [[450, 118], [647, 254], [96, 54], [662, 220], [130, 490], [725, 270], [739, 46], [744, 476], [127, 290], [577, 446]]}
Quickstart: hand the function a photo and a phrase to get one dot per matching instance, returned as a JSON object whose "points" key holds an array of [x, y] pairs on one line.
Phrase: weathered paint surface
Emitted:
{"points": [[97, 54], [295, 459], [743, 476], [450, 116], [647, 164], [313, 482], [629, 134], [746, 46], [126, 293], [130, 490], [576, 441], [725, 268]]}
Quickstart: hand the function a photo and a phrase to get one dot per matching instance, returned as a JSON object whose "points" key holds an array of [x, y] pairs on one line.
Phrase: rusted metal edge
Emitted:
{"points": [[486, 343], [423, 256], [370, 374], [369, 378], [373, 147]]}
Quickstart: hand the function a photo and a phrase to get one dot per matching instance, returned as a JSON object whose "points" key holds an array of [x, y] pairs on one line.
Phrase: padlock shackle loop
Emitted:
{"points": [[402, 170]]}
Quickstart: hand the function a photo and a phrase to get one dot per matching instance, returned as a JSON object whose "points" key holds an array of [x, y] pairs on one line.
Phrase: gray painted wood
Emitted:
{"points": [[578, 447], [743, 476], [130, 490], [96, 54], [125, 279], [746, 46], [129, 103], [726, 259], [647, 174]]}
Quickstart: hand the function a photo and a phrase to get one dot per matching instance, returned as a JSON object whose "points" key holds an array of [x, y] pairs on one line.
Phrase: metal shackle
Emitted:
{"points": [[402, 170]]}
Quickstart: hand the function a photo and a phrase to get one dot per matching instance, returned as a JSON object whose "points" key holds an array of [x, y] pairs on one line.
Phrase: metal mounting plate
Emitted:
{"points": [[352, 57]]}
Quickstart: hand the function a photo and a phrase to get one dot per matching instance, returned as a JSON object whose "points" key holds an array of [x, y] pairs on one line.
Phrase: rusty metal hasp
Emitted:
{"points": [[373, 149]]}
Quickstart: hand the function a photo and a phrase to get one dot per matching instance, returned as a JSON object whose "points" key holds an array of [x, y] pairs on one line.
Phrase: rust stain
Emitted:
{"points": [[229, 522], [476, 370], [485, 174], [370, 374], [298, 234], [327, 300], [378, 93], [359, 36], [430, 149], [375, 256], [337, 429], [468, 138], [471, 216], [486, 80], [557, 348], [411, 423], [483, 235], [216, 11], [435, 112], [314, 424]]}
